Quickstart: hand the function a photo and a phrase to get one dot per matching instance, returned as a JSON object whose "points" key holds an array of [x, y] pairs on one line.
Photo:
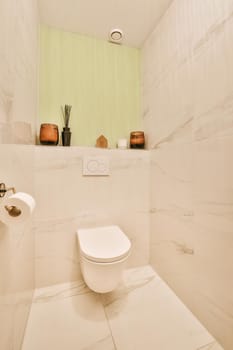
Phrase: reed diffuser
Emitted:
{"points": [[66, 133]]}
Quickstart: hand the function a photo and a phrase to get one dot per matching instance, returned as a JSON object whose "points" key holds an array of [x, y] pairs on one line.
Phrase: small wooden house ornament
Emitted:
{"points": [[102, 142]]}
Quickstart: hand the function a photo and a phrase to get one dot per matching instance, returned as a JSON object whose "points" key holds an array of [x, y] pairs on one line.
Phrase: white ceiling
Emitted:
{"points": [[137, 18]]}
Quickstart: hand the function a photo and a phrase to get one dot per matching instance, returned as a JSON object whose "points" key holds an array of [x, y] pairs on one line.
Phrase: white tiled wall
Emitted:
{"points": [[66, 200], [16, 251], [188, 116], [18, 66], [18, 71]]}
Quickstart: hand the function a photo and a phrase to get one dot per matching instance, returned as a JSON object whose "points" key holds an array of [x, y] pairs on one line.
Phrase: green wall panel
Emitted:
{"points": [[99, 79]]}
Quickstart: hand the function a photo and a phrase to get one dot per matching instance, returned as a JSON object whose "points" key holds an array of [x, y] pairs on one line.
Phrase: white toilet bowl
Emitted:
{"points": [[103, 255]]}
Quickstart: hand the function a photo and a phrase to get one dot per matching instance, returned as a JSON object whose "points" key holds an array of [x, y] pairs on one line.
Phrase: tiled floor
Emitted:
{"points": [[143, 313]]}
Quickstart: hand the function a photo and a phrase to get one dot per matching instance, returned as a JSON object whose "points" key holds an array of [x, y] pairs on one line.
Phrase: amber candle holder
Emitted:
{"points": [[49, 134], [137, 139]]}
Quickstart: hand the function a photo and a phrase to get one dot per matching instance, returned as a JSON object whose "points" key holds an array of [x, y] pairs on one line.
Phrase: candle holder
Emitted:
{"points": [[137, 139], [49, 134]]}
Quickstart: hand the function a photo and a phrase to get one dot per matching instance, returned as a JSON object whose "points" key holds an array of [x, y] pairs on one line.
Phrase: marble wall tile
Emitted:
{"points": [[57, 258], [18, 71], [7, 327], [187, 93], [66, 201], [172, 170], [16, 251]]}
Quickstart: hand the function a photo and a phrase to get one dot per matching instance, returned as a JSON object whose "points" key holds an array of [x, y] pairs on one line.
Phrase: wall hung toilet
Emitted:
{"points": [[103, 255]]}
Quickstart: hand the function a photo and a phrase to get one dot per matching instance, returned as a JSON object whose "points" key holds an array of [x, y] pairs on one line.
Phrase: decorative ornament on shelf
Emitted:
{"points": [[102, 142], [66, 133]]}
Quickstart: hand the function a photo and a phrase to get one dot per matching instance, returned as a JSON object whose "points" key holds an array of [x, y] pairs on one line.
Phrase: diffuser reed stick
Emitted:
{"points": [[66, 133], [66, 115]]}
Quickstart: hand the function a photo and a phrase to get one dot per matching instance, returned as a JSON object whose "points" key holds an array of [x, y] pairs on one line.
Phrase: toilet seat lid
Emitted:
{"points": [[103, 244]]}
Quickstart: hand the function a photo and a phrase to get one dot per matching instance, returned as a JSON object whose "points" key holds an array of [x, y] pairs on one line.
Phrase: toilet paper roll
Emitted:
{"points": [[17, 208]]}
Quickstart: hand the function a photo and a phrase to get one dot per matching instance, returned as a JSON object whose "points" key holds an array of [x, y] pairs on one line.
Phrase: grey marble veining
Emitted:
{"points": [[132, 280], [177, 134], [216, 29], [208, 124], [102, 344], [159, 168], [60, 291], [211, 346], [135, 306], [67, 316], [175, 211], [188, 118], [123, 319]]}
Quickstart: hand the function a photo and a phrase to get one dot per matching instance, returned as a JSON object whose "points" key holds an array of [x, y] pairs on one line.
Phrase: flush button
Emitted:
{"points": [[96, 166], [92, 166]]}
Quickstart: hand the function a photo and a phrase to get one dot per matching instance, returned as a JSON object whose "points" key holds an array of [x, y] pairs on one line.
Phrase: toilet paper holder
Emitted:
{"points": [[12, 210], [3, 189]]}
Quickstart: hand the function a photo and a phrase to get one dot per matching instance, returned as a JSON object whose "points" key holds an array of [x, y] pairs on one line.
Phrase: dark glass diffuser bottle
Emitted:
{"points": [[66, 136], [66, 133]]}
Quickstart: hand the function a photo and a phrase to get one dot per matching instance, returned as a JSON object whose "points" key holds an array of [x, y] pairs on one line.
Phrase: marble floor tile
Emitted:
{"points": [[65, 319], [142, 313], [145, 314], [60, 291], [103, 344], [211, 346]]}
